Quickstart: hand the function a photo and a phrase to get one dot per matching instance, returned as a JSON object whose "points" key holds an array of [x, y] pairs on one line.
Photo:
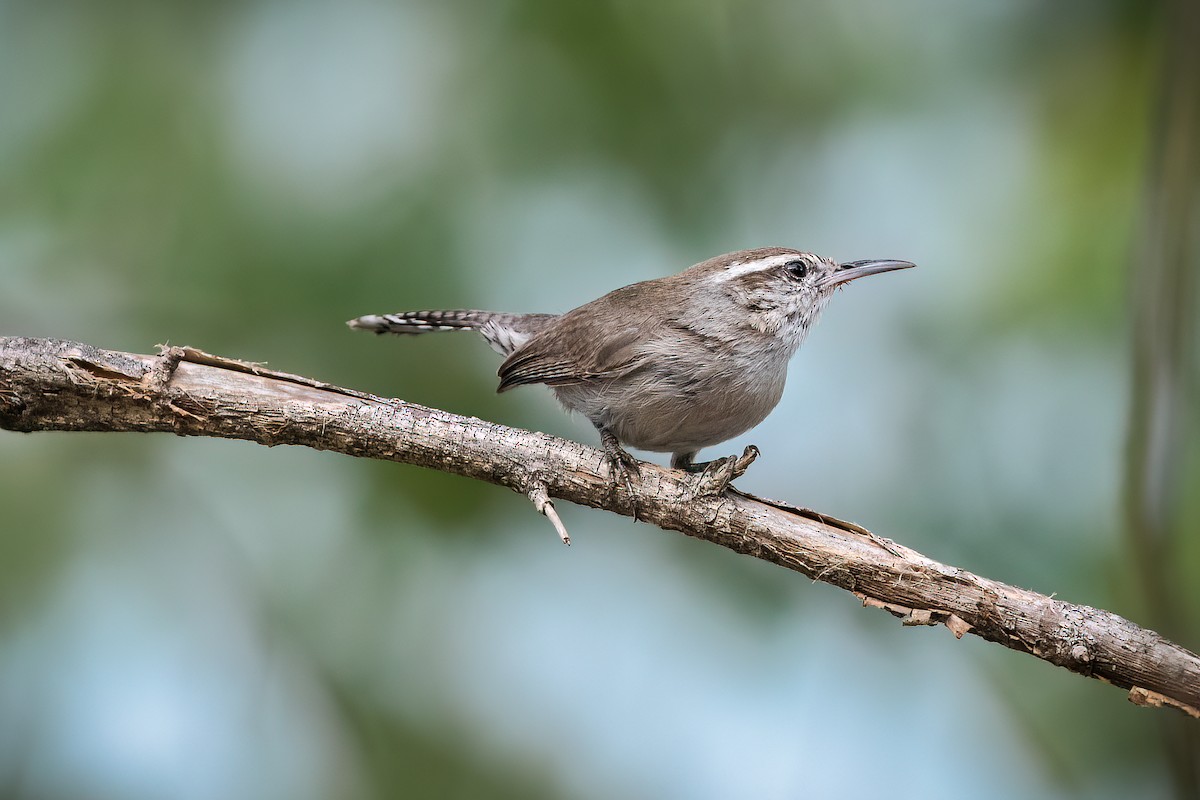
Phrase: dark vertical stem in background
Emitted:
{"points": [[1163, 447]]}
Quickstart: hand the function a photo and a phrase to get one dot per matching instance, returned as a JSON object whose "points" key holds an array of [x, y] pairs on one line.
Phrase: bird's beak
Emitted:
{"points": [[853, 270]]}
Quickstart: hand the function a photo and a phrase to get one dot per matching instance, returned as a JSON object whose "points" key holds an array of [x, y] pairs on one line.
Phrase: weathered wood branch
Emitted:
{"points": [[57, 385]]}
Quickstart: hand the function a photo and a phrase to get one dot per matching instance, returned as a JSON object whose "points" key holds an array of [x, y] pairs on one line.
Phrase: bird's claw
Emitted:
{"points": [[720, 472], [622, 466]]}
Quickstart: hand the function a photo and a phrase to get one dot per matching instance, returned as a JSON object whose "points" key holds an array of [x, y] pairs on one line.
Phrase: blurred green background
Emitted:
{"points": [[205, 618]]}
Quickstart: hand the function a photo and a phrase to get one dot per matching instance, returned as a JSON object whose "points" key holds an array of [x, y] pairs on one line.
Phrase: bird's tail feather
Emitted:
{"points": [[425, 321], [504, 332]]}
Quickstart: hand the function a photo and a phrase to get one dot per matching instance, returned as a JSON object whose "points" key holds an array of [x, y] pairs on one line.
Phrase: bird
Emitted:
{"points": [[671, 365]]}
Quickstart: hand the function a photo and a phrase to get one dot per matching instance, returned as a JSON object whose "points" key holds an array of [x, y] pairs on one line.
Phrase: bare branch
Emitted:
{"points": [[57, 385]]}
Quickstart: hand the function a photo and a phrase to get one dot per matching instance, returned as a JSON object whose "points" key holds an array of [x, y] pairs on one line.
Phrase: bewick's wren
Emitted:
{"points": [[670, 365]]}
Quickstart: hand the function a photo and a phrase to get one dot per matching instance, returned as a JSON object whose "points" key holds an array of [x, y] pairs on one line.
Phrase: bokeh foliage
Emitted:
{"points": [[194, 618]]}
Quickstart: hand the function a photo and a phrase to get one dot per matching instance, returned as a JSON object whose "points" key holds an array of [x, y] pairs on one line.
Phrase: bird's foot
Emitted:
{"points": [[713, 477], [622, 465]]}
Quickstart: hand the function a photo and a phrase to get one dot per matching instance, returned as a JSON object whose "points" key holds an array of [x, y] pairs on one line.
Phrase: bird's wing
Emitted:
{"points": [[581, 345], [533, 368]]}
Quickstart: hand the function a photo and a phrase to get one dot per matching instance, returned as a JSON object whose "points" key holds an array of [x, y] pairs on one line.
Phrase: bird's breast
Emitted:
{"points": [[675, 407]]}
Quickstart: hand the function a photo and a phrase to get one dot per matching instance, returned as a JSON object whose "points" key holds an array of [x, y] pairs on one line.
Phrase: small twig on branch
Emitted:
{"points": [[48, 384], [540, 498]]}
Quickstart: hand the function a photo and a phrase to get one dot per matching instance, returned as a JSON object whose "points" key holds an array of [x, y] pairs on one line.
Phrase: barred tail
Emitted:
{"points": [[425, 321], [504, 332]]}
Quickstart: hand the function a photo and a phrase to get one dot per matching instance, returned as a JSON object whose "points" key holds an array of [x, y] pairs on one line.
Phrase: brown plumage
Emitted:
{"points": [[673, 364]]}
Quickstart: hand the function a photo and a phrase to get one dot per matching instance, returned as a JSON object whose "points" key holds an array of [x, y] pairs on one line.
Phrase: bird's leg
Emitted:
{"points": [[621, 464], [684, 462], [714, 476]]}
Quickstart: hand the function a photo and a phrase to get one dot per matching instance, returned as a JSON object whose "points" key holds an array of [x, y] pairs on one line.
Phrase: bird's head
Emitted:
{"points": [[782, 291]]}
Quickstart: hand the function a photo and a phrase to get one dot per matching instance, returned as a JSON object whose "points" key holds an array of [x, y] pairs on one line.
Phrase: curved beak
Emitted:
{"points": [[853, 270]]}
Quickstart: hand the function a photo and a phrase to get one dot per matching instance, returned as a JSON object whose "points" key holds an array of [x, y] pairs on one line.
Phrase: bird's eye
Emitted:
{"points": [[797, 269]]}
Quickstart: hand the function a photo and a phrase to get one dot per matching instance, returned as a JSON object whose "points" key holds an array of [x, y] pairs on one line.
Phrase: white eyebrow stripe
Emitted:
{"points": [[740, 268]]}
